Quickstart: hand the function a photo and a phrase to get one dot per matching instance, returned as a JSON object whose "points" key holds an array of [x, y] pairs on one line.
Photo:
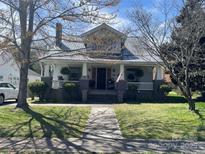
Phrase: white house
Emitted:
{"points": [[9, 70], [101, 56]]}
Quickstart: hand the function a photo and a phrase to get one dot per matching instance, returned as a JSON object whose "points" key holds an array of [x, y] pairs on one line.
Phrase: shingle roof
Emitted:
{"points": [[33, 73], [133, 51]]}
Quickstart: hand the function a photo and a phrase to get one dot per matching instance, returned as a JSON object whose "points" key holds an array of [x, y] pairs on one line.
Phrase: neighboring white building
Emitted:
{"points": [[9, 70]]}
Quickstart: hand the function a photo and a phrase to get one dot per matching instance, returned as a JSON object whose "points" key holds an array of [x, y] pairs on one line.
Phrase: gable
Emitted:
{"points": [[102, 28], [104, 38]]}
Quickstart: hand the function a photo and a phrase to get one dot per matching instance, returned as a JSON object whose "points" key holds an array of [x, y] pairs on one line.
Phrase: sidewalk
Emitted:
{"points": [[9, 145], [63, 104]]}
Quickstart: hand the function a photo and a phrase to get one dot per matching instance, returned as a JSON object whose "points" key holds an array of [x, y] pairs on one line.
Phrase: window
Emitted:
{"points": [[14, 80], [10, 86], [6, 85], [75, 73], [134, 74], [1, 78], [2, 85]]}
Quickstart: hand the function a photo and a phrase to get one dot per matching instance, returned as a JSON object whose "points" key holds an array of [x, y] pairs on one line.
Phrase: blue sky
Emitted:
{"points": [[150, 5], [125, 5]]}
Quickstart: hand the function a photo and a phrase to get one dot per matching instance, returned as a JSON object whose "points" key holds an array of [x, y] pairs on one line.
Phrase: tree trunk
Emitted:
{"points": [[187, 93], [26, 8], [188, 90], [190, 100], [191, 105], [22, 97]]}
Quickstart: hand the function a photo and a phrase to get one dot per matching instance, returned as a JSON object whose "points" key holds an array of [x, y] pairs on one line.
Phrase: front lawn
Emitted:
{"points": [[161, 121], [61, 122]]}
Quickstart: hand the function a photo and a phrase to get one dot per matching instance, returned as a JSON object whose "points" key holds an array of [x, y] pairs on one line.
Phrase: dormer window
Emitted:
{"points": [[93, 46]]}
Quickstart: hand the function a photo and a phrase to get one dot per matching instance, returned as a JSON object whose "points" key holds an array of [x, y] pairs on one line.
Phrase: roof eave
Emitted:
{"points": [[99, 27]]}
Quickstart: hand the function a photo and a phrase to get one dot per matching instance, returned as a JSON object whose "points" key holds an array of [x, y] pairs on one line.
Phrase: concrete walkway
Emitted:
{"points": [[102, 131], [102, 124]]}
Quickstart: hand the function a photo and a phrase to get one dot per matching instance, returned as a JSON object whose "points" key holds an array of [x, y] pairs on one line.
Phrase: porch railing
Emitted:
{"points": [[142, 85], [59, 83]]}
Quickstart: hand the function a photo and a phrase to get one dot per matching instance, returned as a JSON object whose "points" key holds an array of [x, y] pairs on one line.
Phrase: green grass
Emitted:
{"points": [[178, 93], [161, 121], [61, 122]]}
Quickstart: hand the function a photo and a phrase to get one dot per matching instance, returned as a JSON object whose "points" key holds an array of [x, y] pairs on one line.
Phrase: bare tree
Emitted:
{"points": [[25, 21], [174, 42]]}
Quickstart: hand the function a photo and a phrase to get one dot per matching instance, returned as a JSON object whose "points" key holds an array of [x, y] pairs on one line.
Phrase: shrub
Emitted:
{"points": [[71, 91], [131, 92], [203, 95], [165, 89], [132, 87], [38, 88], [65, 71]]}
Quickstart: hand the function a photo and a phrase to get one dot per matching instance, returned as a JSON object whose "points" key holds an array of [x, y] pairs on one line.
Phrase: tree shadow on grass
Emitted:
{"points": [[56, 124], [155, 128]]}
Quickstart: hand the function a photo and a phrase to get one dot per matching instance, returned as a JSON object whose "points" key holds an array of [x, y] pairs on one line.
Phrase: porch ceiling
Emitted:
{"points": [[100, 62]]}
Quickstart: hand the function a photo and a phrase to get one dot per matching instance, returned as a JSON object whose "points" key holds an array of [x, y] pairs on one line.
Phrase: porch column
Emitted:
{"points": [[158, 81], [159, 73], [85, 71], [42, 69], [56, 83], [84, 83], [122, 71], [46, 70], [121, 84]]}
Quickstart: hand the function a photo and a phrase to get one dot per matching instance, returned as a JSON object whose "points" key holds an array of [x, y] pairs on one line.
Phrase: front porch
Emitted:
{"points": [[102, 78]]}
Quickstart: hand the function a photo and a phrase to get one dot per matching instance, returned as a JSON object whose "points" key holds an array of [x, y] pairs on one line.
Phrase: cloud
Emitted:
{"points": [[120, 22]]}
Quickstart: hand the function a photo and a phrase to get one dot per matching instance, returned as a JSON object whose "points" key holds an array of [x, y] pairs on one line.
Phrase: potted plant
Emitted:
{"points": [[65, 71]]}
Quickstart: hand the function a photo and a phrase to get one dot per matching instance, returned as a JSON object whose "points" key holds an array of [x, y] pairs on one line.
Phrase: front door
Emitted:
{"points": [[101, 78]]}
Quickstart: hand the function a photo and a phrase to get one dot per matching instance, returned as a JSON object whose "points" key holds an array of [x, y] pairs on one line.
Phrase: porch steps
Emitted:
{"points": [[102, 96]]}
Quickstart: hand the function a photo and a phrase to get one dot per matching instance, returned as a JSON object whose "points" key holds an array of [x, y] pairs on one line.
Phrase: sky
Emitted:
{"points": [[124, 7], [122, 20], [150, 5]]}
